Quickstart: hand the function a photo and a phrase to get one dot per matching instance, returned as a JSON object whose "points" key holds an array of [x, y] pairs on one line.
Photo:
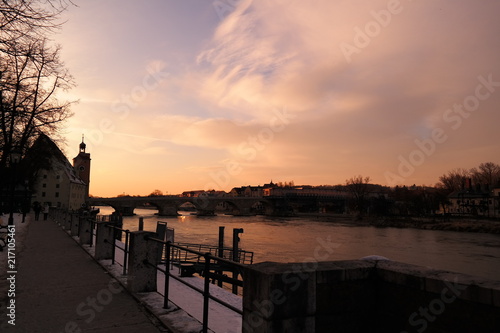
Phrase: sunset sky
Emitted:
{"points": [[199, 94]]}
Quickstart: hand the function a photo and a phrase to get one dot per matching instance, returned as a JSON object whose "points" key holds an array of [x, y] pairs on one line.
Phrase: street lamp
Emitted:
{"points": [[14, 157]]}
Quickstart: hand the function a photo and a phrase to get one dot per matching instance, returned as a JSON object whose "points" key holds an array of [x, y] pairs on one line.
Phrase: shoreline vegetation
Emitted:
{"points": [[461, 224], [448, 223]]}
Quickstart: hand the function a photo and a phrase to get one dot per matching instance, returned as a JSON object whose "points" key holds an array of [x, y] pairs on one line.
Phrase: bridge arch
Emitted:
{"points": [[205, 205]]}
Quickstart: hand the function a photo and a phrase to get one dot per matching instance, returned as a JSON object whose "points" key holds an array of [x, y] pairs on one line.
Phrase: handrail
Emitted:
{"points": [[243, 256], [206, 272], [125, 249]]}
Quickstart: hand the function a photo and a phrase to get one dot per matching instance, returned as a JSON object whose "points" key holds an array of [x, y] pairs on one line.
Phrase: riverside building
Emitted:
{"points": [[57, 182]]}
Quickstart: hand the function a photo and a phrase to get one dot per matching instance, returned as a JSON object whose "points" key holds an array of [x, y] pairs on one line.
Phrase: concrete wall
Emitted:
{"points": [[366, 296]]}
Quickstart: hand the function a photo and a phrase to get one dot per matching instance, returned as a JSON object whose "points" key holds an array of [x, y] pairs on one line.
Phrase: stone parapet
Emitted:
{"points": [[366, 296]]}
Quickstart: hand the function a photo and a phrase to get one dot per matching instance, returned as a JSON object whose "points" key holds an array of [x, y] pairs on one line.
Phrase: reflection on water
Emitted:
{"points": [[299, 239]]}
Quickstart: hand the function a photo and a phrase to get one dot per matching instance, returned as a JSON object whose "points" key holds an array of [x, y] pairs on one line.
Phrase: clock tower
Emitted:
{"points": [[81, 164]]}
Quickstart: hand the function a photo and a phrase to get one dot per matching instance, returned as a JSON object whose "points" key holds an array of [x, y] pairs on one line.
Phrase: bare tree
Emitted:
{"points": [[30, 76], [454, 180], [156, 193], [29, 18], [486, 174], [359, 188], [31, 73]]}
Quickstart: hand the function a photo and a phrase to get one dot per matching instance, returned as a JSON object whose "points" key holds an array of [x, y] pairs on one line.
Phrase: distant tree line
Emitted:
{"points": [[366, 198], [372, 199], [486, 175]]}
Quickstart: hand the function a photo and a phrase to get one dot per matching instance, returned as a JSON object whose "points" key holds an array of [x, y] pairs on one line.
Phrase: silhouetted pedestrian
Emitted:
{"points": [[37, 208]]}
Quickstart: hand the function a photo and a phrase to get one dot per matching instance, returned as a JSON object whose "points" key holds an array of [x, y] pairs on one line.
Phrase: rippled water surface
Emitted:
{"points": [[300, 239]]}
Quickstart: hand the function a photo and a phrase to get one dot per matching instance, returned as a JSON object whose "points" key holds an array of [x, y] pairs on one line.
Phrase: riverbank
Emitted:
{"points": [[437, 223], [483, 226], [462, 225]]}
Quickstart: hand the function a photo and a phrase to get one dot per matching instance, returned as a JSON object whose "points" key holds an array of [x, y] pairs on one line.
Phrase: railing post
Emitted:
{"points": [[220, 252], [114, 247], [141, 262], [92, 230], [167, 275], [125, 254], [206, 292], [236, 257], [118, 222], [104, 243], [141, 223]]}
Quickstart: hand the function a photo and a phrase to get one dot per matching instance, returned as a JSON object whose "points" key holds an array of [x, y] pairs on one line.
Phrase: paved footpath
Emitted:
{"points": [[60, 289]]}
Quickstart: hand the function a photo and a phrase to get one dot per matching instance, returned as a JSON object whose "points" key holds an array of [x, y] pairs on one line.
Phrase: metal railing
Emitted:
{"points": [[93, 231], [125, 247], [243, 257], [207, 275]]}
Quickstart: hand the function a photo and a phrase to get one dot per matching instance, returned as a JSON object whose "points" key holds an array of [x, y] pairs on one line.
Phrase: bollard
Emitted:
{"points": [[67, 221], [142, 276], [85, 230], [104, 241], [141, 223], [74, 224], [236, 256]]}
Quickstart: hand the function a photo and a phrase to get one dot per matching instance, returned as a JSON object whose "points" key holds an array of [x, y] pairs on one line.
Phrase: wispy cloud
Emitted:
{"points": [[350, 118]]}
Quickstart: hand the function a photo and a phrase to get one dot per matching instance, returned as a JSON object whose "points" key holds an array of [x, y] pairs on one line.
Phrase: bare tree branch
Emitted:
{"points": [[31, 73]]}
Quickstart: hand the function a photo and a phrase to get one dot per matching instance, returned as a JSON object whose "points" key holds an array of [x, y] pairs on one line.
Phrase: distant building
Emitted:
{"points": [[199, 193], [475, 201], [56, 181], [193, 194], [305, 191], [251, 191], [247, 191]]}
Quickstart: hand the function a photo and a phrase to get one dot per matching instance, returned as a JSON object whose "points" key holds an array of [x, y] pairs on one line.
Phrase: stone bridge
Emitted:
{"points": [[205, 205]]}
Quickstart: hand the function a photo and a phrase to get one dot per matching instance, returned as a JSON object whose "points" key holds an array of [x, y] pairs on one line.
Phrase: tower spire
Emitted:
{"points": [[83, 145]]}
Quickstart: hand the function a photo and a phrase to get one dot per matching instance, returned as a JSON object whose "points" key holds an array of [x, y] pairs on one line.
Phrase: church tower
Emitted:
{"points": [[81, 164]]}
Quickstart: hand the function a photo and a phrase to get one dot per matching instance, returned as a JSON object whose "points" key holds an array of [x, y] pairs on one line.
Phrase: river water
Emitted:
{"points": [[302, 239]]}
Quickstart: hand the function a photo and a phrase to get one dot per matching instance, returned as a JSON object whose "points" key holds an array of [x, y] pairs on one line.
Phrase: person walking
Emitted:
{"points": [[46, 209], [37, 208]]}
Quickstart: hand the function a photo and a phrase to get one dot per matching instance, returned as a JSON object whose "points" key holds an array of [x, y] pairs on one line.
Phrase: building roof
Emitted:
{"points": [[468, 194], [44, 154]]}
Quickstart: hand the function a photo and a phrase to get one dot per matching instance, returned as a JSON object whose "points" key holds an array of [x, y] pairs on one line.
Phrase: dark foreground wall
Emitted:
{"points": [[366, 296]]}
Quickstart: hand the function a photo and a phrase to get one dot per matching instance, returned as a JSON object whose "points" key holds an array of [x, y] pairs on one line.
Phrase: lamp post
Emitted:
{"points": [[14, 158]]}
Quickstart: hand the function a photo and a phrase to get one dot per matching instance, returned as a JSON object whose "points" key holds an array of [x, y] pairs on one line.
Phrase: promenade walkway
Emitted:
{"points": [[60, 288]]}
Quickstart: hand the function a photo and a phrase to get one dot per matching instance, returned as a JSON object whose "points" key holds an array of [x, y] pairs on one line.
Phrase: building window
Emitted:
{"points": [[57, 194], [58, 185], [44, 185], [43, 194], [44, 176]]}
